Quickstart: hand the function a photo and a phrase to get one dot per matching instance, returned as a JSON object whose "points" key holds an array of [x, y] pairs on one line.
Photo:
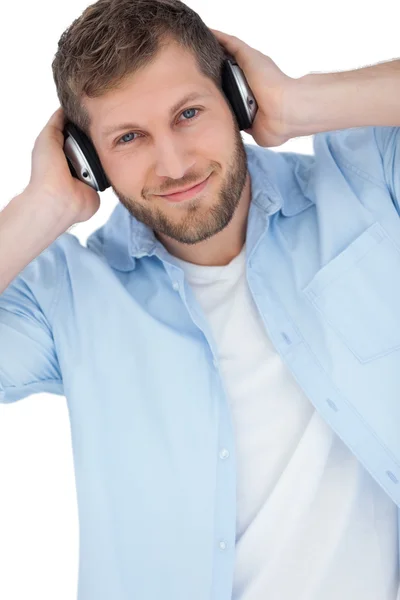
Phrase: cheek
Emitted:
{"points": [[215, 134], [125, 174], [216, 139]]}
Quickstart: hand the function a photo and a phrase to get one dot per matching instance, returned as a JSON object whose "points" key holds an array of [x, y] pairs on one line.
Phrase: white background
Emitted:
{"points": [[39, 540]]}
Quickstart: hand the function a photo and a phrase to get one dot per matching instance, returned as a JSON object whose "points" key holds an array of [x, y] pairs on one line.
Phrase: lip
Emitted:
{"points": [[179, 196]]}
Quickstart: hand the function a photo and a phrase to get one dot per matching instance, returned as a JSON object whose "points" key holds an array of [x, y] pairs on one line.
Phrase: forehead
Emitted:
{"points": [[152, 91]]}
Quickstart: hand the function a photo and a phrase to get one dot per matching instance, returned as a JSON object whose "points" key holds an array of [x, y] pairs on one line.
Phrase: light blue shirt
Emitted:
{"points": [[115, 328]]}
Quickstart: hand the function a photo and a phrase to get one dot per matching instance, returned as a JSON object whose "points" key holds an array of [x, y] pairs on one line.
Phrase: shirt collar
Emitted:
{"points": [[279, 181]]}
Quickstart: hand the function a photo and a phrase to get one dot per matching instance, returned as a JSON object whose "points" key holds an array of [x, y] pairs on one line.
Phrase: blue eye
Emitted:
{"points": [[187, 110], [127, 134]]}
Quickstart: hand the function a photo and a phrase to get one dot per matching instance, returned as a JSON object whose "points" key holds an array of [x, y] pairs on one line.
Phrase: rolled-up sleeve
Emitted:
{"points": [[28, 357]]}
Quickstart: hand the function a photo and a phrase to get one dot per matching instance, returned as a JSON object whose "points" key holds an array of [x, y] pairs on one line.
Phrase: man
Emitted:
{"points": [[230, 361]]}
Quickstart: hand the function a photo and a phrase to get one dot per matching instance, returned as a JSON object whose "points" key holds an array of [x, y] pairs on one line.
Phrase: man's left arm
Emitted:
{"points": [[289, 107], [366, 97]]}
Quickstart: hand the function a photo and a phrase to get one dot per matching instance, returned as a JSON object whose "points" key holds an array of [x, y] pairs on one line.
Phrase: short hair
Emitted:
{"points": [[113, 39]]}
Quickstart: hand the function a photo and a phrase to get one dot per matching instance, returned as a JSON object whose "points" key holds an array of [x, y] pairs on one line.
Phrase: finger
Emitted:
{"points": [[221, 37], [57, 123], [234, 46], [54, 126], [217, 32], [57, 119], [231, 42]]}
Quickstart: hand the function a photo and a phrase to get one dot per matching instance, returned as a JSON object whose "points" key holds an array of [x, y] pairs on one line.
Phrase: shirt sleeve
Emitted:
{"points": [[28, 358], [388, 144], [371, 152]]}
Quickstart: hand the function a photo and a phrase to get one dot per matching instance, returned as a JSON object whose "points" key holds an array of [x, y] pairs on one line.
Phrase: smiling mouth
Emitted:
{"points": [[184, 190], [187, 194]]}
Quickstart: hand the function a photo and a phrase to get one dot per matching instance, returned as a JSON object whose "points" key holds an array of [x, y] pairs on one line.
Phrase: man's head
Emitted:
{"points": [[129, 62]]}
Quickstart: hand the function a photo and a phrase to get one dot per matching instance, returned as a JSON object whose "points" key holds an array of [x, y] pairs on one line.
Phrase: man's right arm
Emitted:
{"points": [[28, 225], [30, 275]]}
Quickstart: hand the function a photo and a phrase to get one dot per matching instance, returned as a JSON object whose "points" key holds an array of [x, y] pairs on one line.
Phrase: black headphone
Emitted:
{"points": [[84, 162]]}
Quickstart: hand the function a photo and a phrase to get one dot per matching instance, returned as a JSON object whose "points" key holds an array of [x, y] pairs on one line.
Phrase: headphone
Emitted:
{"points": [[84, 162]]}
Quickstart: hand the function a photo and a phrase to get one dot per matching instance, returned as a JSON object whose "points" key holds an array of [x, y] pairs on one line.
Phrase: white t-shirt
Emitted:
{"points": [[312, 524]]}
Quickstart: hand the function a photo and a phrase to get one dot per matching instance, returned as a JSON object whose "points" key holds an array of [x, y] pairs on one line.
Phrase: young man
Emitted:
{"points": [[230, 355]]}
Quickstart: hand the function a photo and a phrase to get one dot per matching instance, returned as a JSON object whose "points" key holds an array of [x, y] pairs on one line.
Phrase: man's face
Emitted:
{"points": [[158, 152]]}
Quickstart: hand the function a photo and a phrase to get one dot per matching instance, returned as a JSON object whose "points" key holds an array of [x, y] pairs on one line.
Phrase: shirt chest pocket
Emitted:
{"points": [[358, 294]]}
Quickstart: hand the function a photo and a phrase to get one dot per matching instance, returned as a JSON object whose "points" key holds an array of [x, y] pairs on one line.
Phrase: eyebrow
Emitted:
{"points": [[188, 98]]}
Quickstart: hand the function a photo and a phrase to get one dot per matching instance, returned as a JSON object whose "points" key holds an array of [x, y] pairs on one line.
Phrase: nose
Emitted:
{"points": [[172, 160]]}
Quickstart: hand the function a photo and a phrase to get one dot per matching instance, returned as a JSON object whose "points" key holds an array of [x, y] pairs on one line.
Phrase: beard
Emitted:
{"points": [[196, 225]]}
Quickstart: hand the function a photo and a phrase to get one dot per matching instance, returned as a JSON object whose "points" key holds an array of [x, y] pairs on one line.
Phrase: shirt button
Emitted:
{"points": [[175, 285], [222, 545], [224, 453]]}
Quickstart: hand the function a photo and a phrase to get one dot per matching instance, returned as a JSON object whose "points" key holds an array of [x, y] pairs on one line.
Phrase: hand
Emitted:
{"points": [[51, 177], [269, 86]]}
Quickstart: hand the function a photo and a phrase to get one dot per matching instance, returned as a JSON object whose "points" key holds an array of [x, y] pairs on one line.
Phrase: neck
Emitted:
{"points": [[223, 247]]}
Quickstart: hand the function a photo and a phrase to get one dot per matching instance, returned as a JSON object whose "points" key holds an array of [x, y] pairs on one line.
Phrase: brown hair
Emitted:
{"points": [[114, 38]]}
